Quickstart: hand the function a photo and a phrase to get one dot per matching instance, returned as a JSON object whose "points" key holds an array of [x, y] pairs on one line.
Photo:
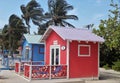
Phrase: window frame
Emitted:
{"points": [[40, 50], [84, 55], [54, 47]]}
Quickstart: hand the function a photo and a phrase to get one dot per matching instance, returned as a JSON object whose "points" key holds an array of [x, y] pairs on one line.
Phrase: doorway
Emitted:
{"points": [[54, 54]]}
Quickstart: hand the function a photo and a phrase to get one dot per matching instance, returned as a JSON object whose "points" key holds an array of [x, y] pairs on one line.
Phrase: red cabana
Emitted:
{"points": [[76, 48]]}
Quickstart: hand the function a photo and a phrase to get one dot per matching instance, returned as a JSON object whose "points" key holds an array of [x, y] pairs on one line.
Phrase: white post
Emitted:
{"points": [[50, 72], [30, 73], [67, 59], [98, 59], [19, 68], [45, 52], [24, 70]]}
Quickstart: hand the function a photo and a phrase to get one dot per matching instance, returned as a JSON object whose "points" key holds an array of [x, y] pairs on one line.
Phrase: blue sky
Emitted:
{"points": [[88, 11]]}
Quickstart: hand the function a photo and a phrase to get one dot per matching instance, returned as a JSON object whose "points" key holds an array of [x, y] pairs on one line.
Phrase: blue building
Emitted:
{"points": [[32, 49]]}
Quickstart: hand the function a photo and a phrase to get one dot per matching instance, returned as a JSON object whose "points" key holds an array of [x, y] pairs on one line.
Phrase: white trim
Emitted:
{"points": [[42, 38], [50, 55], [45, 53], [98, 59], [30, 73], [86, 41], [68, 58], [50, 72], [54, 46], [94, 42], [84, 55], [70, 40], [79, 41], [19, 68]]}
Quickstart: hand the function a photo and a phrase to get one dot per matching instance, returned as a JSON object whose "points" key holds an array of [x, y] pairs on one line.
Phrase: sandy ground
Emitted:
{"points": [[106, 76], [7, 76]]}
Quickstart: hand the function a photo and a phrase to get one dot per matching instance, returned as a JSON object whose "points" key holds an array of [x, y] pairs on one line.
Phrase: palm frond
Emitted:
{"points": [[58, 10], [23, 9], [36, 22], [72, 17], [32, 4], [69, 7], [68, 24], [35, 13]]}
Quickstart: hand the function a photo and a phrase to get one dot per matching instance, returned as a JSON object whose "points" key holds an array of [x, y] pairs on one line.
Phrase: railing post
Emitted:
{"points": [[19, 68], [68, 58], [50, 71], [15, 67], [30, 73], [24, 70]]}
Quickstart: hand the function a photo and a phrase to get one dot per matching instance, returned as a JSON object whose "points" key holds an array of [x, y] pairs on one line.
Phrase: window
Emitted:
{"points": [[27, 54], [55, 54], [83, 50], [41, 49]]}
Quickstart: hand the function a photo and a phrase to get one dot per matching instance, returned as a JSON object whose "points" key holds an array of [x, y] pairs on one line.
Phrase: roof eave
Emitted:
{"points": [[102, 41], [46, 34]]}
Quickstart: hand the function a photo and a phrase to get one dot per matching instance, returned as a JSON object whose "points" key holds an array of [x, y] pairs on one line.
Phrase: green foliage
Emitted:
{"points": [[109, 29], [57, 15], [5, 41], [106, 66], [116, 65], [12, 33], [32, 11]]}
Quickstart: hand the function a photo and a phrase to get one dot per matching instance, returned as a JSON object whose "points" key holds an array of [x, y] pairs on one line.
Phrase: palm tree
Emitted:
{"points": [[13, 32], [5, 36], [57, 15], [89, 26], [4, 40], [58, 10], [32, 11], [0, 37]]}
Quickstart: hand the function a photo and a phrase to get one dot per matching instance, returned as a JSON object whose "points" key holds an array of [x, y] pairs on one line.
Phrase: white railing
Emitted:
{"points": [[19, 66], [45, 71]]}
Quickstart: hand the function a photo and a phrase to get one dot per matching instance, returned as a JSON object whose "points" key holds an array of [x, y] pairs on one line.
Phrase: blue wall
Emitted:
{"points": [[36, 52], [25, 43]]}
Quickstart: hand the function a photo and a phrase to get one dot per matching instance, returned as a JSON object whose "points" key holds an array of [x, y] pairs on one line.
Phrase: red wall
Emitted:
{"points": [[49, 41], [82, 67]]}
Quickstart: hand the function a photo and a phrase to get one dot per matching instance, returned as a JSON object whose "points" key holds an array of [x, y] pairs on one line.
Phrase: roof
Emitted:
{"points": [[32, 39], [67, 33]]}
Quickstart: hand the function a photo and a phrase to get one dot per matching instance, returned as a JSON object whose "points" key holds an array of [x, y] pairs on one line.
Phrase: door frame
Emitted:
{"points": [[53, 47]]}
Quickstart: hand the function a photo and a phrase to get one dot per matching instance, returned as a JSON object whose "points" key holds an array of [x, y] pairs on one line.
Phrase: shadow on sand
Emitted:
{"points": [[2, 77], [107, 76]]}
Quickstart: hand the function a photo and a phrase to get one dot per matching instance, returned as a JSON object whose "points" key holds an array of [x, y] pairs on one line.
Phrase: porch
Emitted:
{"points": [[19, 66], [37, 70]]}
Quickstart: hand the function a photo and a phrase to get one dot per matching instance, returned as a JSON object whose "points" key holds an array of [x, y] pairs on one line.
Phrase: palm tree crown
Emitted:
{"points": [[32, 11], [13, 32], [58, 12], [57, 15]]}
